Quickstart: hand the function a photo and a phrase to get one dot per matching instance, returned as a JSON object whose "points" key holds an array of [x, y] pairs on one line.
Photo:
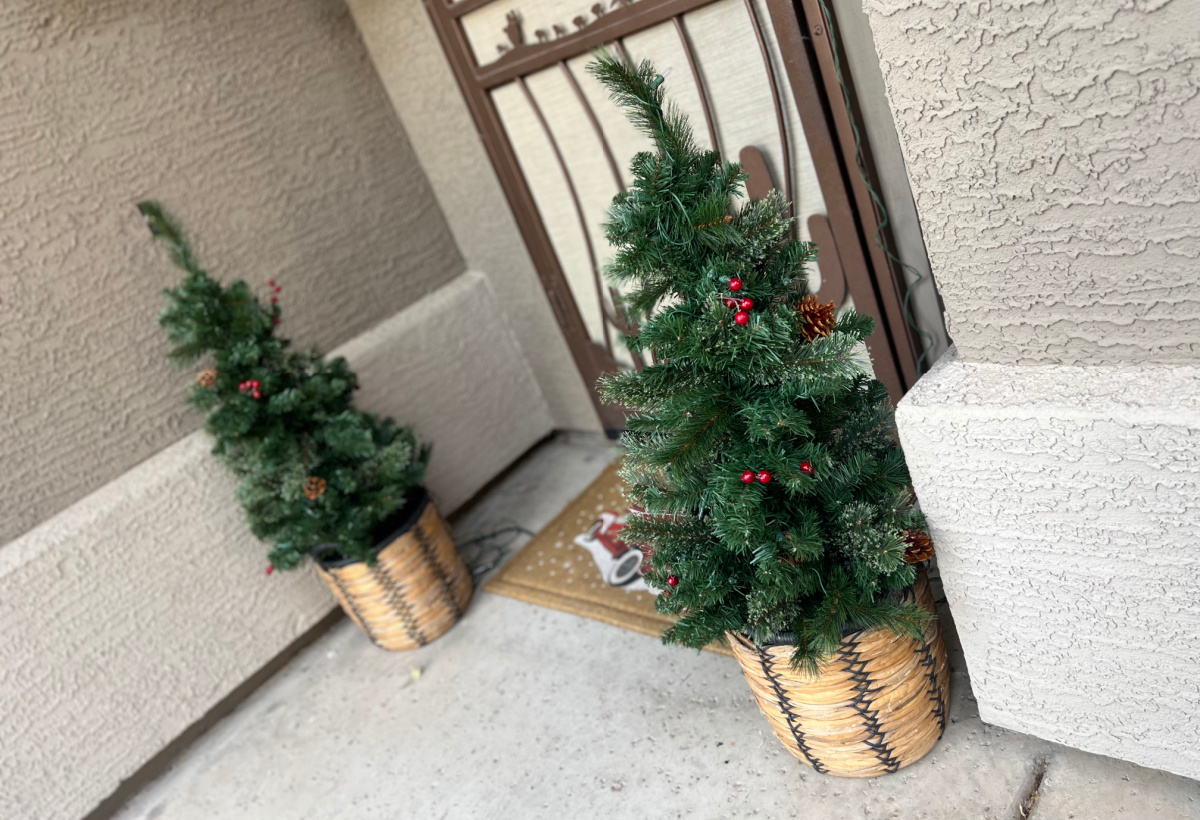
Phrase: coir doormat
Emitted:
{"points": [[579, 564]]}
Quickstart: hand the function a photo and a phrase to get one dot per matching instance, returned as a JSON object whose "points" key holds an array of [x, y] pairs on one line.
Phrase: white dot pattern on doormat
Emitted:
{"points": [[557, 561]]}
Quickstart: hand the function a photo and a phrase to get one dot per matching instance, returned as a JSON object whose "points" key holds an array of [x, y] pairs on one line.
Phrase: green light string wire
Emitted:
{"points": [[925, 336]]}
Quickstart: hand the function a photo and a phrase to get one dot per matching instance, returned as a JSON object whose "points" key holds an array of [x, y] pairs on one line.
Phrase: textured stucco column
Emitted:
{"points": [[1065, 505], [1054, 155]]}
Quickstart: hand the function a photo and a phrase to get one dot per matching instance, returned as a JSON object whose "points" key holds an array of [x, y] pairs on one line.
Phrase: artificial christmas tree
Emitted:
{"points": [[767, 488], [316, 476]]}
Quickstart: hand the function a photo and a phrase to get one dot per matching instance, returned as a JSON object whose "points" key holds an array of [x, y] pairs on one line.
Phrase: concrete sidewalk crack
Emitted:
{"points": [[1028, 800]]}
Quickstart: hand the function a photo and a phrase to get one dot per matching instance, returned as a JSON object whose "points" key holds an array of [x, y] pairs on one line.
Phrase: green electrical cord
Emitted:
{"points": [[925, 336]]}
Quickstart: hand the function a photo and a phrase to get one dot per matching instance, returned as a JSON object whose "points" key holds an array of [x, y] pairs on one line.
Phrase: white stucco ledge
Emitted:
{"points": [[451, 366], [129, 615], [1065, 506]]}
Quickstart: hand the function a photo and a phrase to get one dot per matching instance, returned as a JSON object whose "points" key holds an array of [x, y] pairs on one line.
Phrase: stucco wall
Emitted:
{"points": [[1054, 152], [413, 68], [128, 616], [1065, 506], [264, 126]]}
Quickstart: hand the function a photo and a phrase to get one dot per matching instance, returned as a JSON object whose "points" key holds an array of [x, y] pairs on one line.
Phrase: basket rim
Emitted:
{"points": [[408, 516], [905, 594]]}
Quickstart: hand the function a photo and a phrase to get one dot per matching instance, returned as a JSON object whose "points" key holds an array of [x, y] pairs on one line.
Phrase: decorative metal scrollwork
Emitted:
{"points": [[556, 31]]}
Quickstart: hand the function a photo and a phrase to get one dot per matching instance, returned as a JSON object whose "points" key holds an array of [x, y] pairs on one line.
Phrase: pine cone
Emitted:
{"points": [[920, 546], [816, 320], [314, 487], [206, 378]]}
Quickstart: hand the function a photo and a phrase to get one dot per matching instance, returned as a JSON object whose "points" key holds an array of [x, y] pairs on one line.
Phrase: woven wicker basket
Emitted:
{"points": [[416, 589], [878, 705]]}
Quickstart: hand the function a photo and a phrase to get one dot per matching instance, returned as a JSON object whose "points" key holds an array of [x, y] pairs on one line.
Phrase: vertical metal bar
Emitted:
{"points": [[591, 115], [608, 316], [827, 162], [783, 137], [626, 328], [587, 238], [687, 51], [889, 278], [620, 43]]}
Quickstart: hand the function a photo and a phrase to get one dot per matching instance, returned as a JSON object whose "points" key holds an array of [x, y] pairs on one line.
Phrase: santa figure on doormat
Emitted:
{"points": [[620, 565]]}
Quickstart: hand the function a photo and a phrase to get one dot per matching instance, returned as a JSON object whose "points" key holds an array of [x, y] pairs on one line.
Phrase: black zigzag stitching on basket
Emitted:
{"points": [[786, 707], [427, 550], [928, 660], [857, 667], [935, 687], [399, 604], [354, 611]]}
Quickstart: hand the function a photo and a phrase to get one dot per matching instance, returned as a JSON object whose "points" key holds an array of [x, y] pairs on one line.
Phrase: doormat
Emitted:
{"points": [[579, 564]]}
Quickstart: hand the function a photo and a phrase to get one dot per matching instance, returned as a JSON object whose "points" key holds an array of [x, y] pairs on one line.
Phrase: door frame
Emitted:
{"points": [[807, 58]]}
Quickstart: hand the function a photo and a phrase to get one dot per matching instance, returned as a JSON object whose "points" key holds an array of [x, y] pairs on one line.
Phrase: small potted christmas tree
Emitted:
{"points": [[316, 476], [770, 493]]}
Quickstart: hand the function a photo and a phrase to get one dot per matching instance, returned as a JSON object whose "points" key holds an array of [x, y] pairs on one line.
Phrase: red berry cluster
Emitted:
{"points": [[762, 476], [251, 386], [743, 305]]}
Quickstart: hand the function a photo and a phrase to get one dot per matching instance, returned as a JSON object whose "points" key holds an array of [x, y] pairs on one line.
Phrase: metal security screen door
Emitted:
{"points": [[752, 75]]}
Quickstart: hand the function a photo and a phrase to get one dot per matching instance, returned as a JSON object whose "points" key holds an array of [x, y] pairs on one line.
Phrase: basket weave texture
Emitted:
{"points": [[416, 590], [879, 704]]}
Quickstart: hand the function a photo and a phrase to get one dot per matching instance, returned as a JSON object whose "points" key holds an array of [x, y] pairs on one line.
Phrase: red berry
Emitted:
{"points": [[270, 568], [275, 321], [764, 476], [672, 581], [735, 284], [257, 393], [746, 304], [741, 317], [271, 282], [278, 289], [731, 303], [806, 467], [748, 476], [356, 386]]}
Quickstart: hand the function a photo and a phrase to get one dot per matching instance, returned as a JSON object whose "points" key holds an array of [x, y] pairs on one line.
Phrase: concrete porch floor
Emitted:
{"points": [[524, 712]]}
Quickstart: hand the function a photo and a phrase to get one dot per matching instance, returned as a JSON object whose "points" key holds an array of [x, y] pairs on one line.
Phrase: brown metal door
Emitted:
{"points": [[562, 150]]}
